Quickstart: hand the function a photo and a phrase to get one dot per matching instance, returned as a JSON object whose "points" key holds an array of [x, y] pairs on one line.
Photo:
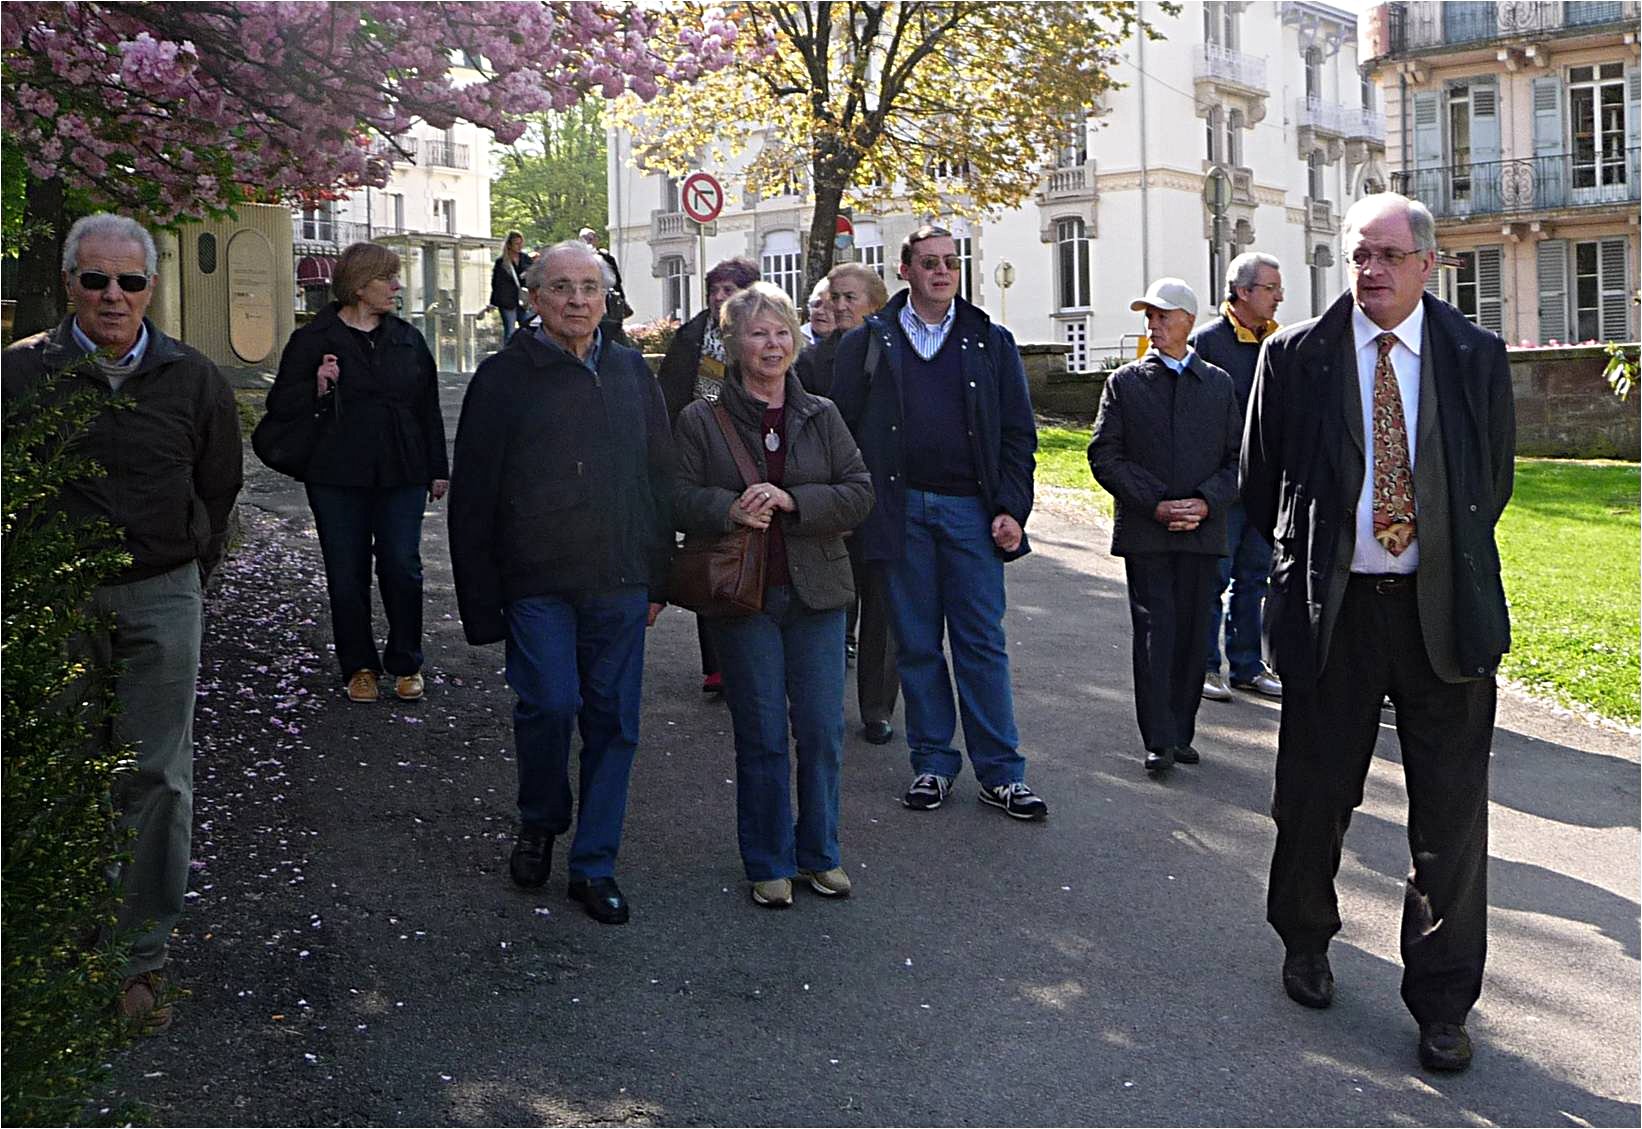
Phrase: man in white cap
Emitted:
{"points": [[1165, 447]]}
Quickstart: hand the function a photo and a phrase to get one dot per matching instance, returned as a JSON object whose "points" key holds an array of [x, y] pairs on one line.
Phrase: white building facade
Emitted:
{"points": [[1268, 93]]}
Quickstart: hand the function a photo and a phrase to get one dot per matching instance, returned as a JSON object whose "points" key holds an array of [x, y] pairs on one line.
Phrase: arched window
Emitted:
{"points": [[675, 288], [782, 262]]}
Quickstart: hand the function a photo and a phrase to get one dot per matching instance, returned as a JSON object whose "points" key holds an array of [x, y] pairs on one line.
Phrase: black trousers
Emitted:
{"points": [[877, 682], [1324, 747], [1170, 603]]}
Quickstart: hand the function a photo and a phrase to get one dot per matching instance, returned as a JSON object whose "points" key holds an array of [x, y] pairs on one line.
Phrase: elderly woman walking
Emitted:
{"points": [[367, 379], [786, 661]]}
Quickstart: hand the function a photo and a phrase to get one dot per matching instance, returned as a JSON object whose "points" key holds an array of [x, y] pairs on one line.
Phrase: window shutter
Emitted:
{"points": [[1614, 302], [1485, 147], [1490, 286], [1552, 260], [1551, 173], [1427, 130], [1633, 111]]}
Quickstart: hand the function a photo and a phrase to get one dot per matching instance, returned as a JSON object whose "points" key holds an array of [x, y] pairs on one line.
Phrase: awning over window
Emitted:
{"points": [[315, 270]]}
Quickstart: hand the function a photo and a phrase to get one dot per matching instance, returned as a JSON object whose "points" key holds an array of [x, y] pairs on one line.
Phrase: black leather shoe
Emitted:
{"points": [[532, 858], [1308, 979], [601, 898], [1185, 754], [878, 732], [1159, 760], [1444, 1046]]}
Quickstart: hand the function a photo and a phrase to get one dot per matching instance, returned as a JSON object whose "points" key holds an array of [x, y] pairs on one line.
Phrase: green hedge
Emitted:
{"points": [[61, 965]]}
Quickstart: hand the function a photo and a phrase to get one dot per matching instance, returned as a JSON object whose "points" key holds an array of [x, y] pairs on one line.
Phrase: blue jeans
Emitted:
{"points": [[1248, 570], [356, 523], [510, 322], [577, 661], [785, 662], [950, 580]]}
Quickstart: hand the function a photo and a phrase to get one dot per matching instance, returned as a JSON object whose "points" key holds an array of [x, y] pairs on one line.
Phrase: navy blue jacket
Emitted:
{"points": [[562, 482], [1003, 435], [1217, 343]]}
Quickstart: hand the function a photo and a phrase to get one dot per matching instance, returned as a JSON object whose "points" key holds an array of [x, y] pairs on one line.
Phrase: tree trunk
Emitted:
{"points": [[820, 254], [41, 300]]}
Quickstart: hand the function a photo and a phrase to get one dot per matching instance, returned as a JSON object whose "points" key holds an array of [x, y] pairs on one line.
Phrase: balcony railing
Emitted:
{"points": [[1420, 26], [319, 229], [1365, 125], [1222, 64], [669, 225], [1068, 183], [447, 154], [1532, 184]]}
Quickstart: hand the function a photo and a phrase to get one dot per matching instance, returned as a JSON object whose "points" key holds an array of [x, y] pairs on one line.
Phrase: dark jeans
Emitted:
{"points": [[577, 662], [709, 658], [1324, 746], [785, 662], [1169, 607], [877, 682], [356, 523], [1248, 571], [949, 582]]}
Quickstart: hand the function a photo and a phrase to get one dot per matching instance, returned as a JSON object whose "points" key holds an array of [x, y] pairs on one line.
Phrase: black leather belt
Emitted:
{"points": [[1386, 583]]}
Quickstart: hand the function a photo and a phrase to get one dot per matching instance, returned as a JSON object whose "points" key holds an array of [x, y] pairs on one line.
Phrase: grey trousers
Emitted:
{"points": [[150, 639]]}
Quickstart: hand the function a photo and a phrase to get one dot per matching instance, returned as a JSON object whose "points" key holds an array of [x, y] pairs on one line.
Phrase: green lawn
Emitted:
{"points": [[1569, 543]]}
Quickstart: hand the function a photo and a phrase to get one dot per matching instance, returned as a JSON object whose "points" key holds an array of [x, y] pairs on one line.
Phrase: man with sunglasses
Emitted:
{"points": [[1379, 450], [1254, 287], [936, 395], [170, 446]]}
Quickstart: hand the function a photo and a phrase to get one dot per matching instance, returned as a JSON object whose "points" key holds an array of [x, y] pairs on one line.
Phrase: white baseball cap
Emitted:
{"points": [[1168, 294]]}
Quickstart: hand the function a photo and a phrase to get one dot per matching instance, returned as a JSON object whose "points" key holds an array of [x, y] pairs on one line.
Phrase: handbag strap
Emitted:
{"points": [[738, 449]]}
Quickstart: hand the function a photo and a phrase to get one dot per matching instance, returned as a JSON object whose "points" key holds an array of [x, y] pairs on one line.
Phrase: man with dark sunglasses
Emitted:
{"points": [[935, 393], [170, 446]]}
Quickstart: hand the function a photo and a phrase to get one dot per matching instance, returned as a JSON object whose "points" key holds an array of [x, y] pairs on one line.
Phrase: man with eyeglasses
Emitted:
{"points": [[1379, 451], [1254, 287], [169, 445], [560, 536], [936, 395]]}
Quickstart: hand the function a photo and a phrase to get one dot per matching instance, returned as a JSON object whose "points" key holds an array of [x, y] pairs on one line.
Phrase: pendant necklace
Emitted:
{"points": [[772, 441]]}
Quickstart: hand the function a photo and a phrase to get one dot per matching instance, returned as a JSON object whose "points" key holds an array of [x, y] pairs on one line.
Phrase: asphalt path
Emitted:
{"points": [[354, 952]]}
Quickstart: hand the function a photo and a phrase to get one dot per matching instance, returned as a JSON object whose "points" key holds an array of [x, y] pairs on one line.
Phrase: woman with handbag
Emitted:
{"points": [[771, 458], [365, 382]]}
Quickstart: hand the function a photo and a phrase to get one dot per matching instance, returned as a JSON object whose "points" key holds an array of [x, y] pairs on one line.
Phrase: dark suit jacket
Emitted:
{"points": [[1302, 471], [1164, 436]]}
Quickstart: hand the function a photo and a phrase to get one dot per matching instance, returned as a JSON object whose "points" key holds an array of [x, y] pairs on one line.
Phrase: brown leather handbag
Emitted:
{"points": [[722, 574]]}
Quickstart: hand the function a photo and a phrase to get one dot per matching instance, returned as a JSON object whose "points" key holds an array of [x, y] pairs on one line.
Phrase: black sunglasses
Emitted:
{"points": [[97, 280]]}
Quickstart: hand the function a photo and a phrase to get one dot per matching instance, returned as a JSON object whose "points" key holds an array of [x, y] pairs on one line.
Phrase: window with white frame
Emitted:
{"points": [[1071, 264], [949, 168], [675, 288], [1234, 137], [319, 222], [1478, 291], [1074, 149], [870, 241], [1211, 131], [396, 210], [1314, 73], [966, 271], [1220, 24], [444, 216], [1601, 291], [1596, 124], [781, 263], [670, 194], [1316, 176]]}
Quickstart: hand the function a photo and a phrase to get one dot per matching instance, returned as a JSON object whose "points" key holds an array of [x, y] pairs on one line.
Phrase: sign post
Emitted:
{"points": [[702, 198], [1004, 276], [844, 235]]}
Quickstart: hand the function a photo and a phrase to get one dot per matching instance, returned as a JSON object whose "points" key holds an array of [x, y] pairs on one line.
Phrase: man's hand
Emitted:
{"points": [[1006, 533], [1181, 515], [655, 612]]}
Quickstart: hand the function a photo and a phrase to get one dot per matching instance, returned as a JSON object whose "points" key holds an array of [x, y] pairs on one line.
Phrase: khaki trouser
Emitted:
{"points": [[150, 639]]}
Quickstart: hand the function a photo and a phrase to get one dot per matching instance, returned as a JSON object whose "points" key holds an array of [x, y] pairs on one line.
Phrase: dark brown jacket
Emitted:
{"points": [[824, 474]]}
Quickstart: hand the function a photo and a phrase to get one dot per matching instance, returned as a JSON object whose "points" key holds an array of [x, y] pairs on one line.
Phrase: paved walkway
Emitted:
{"points": [[356, 954]]}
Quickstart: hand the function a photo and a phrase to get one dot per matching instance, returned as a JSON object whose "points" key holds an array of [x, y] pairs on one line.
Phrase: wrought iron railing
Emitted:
{"points": [[447, 154], [1530, 184], [1418, 27], [1223, 63]]}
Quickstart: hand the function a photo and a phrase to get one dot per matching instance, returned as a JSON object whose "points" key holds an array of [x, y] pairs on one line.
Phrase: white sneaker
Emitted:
{"points": [[1265, 683], [1214, 687]]}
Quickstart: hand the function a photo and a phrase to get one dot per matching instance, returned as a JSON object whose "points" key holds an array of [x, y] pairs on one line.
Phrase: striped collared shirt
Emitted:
{"points": [[926, 339]]}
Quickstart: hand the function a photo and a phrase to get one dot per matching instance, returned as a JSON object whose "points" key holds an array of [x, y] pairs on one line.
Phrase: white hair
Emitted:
{"points": [[820, 290], [1421, 224], [107, 225], [537, 272], [1242, 271]]}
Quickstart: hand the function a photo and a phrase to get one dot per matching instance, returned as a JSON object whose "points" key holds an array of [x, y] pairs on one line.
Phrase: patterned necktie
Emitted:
{"points": [[1393, 472]]}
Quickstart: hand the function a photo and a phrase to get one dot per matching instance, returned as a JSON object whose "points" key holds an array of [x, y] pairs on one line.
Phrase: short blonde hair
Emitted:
{"points": [[868, 278], [358, 266], [745, 305]]}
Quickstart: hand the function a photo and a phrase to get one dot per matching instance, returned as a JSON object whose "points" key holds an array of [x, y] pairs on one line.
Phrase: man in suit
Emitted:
{"points": [[935, 393], [1165, 447], [1378, 451]]}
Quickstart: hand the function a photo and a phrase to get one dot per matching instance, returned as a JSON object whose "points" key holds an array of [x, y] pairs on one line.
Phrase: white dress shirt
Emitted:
{"points": [[1369, 555]]}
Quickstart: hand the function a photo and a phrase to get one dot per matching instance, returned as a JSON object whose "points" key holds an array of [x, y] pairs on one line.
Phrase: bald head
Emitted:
{"points": [[1390, 243]]}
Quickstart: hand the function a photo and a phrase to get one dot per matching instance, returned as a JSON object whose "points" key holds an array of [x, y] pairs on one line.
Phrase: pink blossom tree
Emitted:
{"points": [[169, 111]]}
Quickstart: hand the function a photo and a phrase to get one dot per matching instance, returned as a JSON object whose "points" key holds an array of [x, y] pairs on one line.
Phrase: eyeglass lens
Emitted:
{"points": [[97, 280], [930, 262]]}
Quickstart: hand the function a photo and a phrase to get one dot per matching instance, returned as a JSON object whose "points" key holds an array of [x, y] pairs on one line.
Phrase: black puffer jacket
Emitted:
{"points": [[678, 368], [168, 440], [562, 481], [381, 424]]}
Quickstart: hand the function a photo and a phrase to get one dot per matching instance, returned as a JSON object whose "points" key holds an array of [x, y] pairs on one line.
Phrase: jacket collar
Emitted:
{"points": [[968, 318], [62, 350], [1244, 334], [741, 404]]}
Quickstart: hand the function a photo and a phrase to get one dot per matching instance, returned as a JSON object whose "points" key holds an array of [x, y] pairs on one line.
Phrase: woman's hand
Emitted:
{"points": [[438, 488], [768, 496], [329, 370]]}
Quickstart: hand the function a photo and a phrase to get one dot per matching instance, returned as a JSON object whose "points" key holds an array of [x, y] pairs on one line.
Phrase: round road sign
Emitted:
{"points": [[702, 197]]}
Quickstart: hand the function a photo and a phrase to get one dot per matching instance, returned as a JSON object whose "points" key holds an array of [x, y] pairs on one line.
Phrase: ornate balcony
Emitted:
{"points": [[1074, 182], [447, 154], [665, 226], [1223, 75], [1425, 25], [1529, 185]]}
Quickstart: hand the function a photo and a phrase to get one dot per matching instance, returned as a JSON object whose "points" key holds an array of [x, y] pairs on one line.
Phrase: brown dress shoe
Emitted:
{"points": [[409, 687], [140, 1002], [362, 686]]}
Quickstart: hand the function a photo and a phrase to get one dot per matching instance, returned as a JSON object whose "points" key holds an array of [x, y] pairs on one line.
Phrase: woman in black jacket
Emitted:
{"points": [[786, 662], [693, 369], [506, 291], [369, 382]]}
